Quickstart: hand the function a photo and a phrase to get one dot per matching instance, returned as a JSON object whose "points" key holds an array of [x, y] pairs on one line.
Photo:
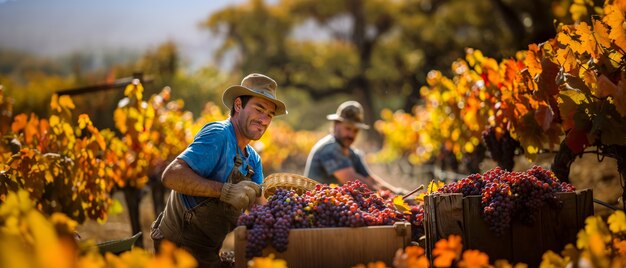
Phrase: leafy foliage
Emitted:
{"points": [[58, 163], [31, 239], [570, 88]]}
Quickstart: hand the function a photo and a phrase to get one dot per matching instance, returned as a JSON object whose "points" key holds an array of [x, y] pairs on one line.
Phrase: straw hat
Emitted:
{"points": [[257, 85]]}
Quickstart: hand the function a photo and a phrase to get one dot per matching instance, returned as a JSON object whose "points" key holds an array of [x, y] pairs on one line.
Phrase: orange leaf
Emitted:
{"points": [[19, 123], [474, 258], [601, 34], [614, 18], [532, 60]]}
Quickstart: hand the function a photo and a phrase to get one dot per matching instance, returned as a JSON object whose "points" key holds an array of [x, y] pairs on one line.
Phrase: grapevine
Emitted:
{"points": [[58, 163], [566, 94]]}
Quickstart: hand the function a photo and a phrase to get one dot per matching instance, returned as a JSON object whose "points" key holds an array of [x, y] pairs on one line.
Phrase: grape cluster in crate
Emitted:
{"points": [[349, 205]]}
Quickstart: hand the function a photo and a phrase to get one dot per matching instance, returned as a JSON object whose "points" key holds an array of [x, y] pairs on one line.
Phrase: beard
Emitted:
{"points": [[345, 142]]}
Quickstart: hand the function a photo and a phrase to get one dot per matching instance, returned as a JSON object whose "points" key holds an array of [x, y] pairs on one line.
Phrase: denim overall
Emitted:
{"points": [[201, 229]]}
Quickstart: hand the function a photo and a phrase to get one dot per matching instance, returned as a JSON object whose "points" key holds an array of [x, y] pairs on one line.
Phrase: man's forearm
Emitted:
{"points": [[181, 178]]}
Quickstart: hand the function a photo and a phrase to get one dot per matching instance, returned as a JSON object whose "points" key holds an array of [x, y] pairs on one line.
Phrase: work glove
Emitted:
{"points": [[240, 195]]}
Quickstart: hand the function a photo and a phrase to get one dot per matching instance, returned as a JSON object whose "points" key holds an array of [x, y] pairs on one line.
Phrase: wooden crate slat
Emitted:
{"points": [[553, 229], [479, 236], [525, 241], [443, 216], [334, 247]]}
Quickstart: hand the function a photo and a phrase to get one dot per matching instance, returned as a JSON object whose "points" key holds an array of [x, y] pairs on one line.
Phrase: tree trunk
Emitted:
{"points": [[562, 162], [158, 193], [133, 197]]}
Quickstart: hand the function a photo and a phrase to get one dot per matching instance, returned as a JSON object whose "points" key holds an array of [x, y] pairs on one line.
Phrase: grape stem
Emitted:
{"points": [[414, 191]]}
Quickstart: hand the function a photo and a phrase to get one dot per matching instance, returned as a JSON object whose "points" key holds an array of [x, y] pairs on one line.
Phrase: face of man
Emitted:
{"points": [[345, 133], [255, 118]]}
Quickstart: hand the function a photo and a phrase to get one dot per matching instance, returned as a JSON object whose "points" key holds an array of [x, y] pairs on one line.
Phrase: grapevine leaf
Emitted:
{"points": [[565, 38], [577, 140], [19, 123], [605, 87], [614, 18], [566, 57], [400, 205], [547, 79], [617, 222], [570, 100], [576, 83], [601, 34], [529, 134], [609, 127], [54, 103], [578, 10], [544, 116], [588, 43], [66, 102], [533, 60]]}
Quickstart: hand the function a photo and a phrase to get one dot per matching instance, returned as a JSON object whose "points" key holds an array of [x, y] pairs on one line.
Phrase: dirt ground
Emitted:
{"points": [[586, 172]]}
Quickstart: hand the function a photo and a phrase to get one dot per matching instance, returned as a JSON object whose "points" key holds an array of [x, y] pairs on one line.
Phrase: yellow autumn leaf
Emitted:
{"points": [[84, 121], [617, 222], [13, 253], [434, 186], [267, 262], [532, 149], [551, 259], [54, 103], [48, 250], [400, 205], [54, 120], [578, 10]]}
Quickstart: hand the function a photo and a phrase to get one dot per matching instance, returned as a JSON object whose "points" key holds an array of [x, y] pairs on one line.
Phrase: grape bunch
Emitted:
{"points": [[349, 205], [511, 195]]}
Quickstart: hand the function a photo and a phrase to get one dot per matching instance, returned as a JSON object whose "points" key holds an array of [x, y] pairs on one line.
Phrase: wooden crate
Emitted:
{"points": [[334, 247], [447, 214]]}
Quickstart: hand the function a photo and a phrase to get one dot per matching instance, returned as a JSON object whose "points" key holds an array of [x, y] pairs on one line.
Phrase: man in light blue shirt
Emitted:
{"points": [[218, 175]]}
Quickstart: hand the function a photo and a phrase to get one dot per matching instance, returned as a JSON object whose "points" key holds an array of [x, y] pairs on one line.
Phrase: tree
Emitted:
{"points": [[378, 52]]}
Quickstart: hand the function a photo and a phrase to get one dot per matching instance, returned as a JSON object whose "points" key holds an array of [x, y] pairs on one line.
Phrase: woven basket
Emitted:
{"points": [[289, 181]]}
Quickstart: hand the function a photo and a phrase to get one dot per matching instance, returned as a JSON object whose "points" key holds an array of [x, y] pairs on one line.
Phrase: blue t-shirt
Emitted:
{"points": [[212, 155], [326, 157]]}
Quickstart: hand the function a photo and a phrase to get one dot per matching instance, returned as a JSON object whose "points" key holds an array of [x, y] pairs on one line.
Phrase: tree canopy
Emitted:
{"points": [[377, 52]]}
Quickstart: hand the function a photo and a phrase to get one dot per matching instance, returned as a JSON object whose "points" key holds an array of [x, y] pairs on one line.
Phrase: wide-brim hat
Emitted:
{"points": [[257, 85], [349, 112]]}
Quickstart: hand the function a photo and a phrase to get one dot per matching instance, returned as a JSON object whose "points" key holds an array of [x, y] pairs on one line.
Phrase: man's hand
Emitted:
{"points": [[241, 195]]}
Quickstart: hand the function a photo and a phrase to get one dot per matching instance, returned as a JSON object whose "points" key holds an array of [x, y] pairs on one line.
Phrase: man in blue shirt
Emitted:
{"points": [[218, 175], [334, 160]]}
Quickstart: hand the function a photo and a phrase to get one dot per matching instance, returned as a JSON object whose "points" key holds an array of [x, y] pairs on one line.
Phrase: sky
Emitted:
{"points": [[60, 27]]}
